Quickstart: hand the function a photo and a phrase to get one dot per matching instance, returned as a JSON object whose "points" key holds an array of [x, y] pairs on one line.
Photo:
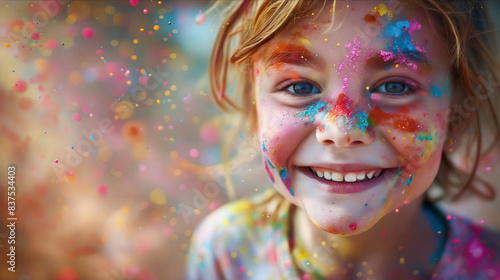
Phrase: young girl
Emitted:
{"points": [[359, 107]]}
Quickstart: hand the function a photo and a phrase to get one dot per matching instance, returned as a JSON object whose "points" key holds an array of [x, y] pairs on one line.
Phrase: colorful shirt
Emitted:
{"points": [[249, 239]]}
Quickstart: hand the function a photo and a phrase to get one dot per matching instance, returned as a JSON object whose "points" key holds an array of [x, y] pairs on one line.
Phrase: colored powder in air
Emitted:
{"points": [[87, 33], [313, 109], [398, 120], [102, 189]]}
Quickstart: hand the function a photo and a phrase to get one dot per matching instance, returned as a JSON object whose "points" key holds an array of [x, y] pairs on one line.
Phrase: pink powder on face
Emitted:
{"points": [[386, 55], [343, 108], [353, 51], [269, 173], [353, 226], [344, 83], [414, 26], [398, 58]]}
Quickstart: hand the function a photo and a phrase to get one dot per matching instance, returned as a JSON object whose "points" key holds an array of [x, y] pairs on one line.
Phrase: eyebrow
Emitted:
{"points": [[296, 55], [384, 59]]}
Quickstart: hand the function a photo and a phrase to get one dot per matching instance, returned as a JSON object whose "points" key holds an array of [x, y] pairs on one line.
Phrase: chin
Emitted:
{"points": [[338, 222]]}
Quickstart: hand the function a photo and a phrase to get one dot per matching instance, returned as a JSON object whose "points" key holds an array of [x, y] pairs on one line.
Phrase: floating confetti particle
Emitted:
{"points": [[87, 33], [77, 117], [200, 19], [193, 153], [102, 189]]}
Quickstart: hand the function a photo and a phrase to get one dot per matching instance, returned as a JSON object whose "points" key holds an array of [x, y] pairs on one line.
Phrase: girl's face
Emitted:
{"points": [[352, 120]]}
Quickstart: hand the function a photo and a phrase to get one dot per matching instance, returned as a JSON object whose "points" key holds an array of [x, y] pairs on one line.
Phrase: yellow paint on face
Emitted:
{"points": [[304, 41], [382, 10]]}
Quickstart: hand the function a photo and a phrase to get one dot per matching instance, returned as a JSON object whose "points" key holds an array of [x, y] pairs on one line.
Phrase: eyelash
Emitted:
{"points": [[283, 86], [412, 87]]}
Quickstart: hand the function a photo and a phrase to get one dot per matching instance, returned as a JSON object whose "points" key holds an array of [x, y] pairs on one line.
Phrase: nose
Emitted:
{"points": [[344, 133]]}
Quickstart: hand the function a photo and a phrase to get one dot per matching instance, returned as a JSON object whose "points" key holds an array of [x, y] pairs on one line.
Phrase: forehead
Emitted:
{"points": [[335, 32]]}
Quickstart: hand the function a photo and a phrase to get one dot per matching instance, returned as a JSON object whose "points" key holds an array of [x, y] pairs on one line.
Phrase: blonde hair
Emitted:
{"points": [[249, 25]]}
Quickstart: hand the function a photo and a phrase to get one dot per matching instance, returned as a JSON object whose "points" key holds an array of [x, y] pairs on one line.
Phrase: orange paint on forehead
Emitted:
{"points": [[286, 47], [370, 18], [398, 120], [286, 52]]}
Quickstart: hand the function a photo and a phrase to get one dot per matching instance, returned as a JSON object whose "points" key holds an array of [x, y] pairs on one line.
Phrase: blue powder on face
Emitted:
{"points": [[396, 29], [264, 146], [268, 162], [291, 192], [283, 174], [362, 120], [436, 91], [411, 179], [402, 41], [313, 110]]}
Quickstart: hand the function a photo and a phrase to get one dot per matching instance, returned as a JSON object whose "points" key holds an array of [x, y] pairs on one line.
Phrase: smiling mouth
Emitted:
{"points": [[347, 177]]}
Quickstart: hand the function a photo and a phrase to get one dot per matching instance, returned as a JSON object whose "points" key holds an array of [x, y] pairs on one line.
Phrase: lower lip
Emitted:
{"points": [[344, 188]]}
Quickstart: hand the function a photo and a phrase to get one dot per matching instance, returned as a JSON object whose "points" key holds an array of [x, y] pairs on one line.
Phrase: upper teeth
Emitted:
{"points": [[346, 177]]}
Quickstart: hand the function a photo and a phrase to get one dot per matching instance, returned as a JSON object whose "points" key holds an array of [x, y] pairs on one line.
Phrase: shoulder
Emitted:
{"points": [[241, 218], [231, 236], [472, 251]]}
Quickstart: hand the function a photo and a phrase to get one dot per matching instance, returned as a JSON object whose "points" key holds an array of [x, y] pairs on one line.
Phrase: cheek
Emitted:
{"points": [[280, 133], [417, 135]]}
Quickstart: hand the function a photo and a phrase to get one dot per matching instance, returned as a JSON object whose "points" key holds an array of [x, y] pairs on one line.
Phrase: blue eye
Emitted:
{"points": [[303, 88], [393, 87]]}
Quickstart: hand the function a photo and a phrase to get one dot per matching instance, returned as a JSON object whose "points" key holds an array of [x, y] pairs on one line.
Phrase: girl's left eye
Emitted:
{"points": [[303, 88], [393, 88]]}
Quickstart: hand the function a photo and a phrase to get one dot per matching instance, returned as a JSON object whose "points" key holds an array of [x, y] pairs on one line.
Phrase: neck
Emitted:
{"points": [[399, 243]]}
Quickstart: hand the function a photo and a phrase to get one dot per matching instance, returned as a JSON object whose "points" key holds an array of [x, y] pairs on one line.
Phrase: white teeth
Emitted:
{"points": [[337, 177], [347, 177], [350, 177]]}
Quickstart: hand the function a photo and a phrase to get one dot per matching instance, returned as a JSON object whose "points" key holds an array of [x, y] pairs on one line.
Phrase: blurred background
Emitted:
{"points": [[106, 114]]}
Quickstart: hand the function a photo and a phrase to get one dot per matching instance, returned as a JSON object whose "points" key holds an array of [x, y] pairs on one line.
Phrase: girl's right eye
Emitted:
{"points": [[303, 88]]}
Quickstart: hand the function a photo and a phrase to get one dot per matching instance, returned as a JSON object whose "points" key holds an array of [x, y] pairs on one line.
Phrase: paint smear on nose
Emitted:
{"points": [[399, 120], [345, 113]]}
